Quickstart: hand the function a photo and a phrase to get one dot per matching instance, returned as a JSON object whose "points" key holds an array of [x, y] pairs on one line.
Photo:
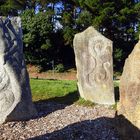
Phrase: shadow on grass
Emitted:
{"points": [[44, 107], [67, 100], [118, 128], [38, 78]]}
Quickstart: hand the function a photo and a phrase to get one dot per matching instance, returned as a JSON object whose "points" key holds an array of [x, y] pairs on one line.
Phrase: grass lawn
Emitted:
{"points": [[61, 91]]}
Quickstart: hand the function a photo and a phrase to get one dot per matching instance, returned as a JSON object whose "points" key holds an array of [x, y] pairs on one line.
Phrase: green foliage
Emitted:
{"points": [[47, 45], [59, 68], [118, 54], [68, 34], [36, 29], [84, 19], [11, 6], [118, 20], [137, 8]]}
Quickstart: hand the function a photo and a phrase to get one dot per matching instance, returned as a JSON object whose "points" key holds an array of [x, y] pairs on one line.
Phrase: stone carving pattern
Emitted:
{"points": [[10, 52], [98, 69]]}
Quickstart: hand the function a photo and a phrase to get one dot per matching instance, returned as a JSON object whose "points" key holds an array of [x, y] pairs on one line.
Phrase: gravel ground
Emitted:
{"points": [[61, 122]]}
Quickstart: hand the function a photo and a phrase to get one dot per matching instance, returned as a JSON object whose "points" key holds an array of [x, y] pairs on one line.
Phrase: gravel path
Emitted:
{"points": [[61, 122]]}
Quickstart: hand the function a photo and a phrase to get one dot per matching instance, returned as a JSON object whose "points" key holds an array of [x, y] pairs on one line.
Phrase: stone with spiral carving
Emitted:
{"points": [[93, 55], [15, 93]]}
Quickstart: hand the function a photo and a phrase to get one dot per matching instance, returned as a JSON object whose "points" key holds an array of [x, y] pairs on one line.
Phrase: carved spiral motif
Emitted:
{"points": [[99, 67]]}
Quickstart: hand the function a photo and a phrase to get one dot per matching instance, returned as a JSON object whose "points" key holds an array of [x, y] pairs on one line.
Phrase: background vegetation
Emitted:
{"points": [[49, 27]]}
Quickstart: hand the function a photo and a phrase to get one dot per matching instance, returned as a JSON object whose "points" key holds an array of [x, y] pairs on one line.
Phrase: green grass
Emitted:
{"points": [[46, 89], [116, 83], [61, 91], [83, 102]]}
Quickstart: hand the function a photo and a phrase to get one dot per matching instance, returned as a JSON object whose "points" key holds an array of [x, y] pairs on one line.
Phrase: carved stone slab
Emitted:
{"points": [[129, 104], [15, 93], [93, 55]]}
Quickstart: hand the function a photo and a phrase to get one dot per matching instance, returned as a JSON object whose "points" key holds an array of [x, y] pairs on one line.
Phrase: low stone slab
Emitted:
{"points": [[15, 93], [93, 56]]}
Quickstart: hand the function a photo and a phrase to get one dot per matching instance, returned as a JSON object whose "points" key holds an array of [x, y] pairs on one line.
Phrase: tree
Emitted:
{"points": [[117, 20], [11, 6], [137, 9], [37, 30]]}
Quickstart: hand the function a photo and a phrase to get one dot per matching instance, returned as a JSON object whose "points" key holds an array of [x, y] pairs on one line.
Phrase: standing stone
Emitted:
{"points": [[129, 105], [15, 93], [93, 54]]}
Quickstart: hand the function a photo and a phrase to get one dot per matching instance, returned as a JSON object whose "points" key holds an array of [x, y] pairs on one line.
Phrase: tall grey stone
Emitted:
{"points": [[93, 55], [129, 105], [15, 94]]}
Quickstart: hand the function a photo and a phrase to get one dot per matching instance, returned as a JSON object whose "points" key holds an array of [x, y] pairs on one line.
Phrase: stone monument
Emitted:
{"points": [[15, 94], [93, 55], [129, 105]]}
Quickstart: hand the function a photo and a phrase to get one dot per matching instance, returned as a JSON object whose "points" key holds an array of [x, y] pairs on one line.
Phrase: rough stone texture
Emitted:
{"points": [[129, 104], [93, 54], [15, 94]]}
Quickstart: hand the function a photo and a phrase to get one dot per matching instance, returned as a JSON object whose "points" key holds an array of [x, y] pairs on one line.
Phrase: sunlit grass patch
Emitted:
{"points": [[47, 89], [61, 91]]}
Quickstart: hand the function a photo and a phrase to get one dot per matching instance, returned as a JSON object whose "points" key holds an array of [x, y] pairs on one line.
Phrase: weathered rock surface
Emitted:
{"points": [[93, 54], [15, 93], [129, 104]]}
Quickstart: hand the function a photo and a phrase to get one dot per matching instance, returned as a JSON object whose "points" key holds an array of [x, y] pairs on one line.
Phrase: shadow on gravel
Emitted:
{"points": [[45, 107], [117, 128]]}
